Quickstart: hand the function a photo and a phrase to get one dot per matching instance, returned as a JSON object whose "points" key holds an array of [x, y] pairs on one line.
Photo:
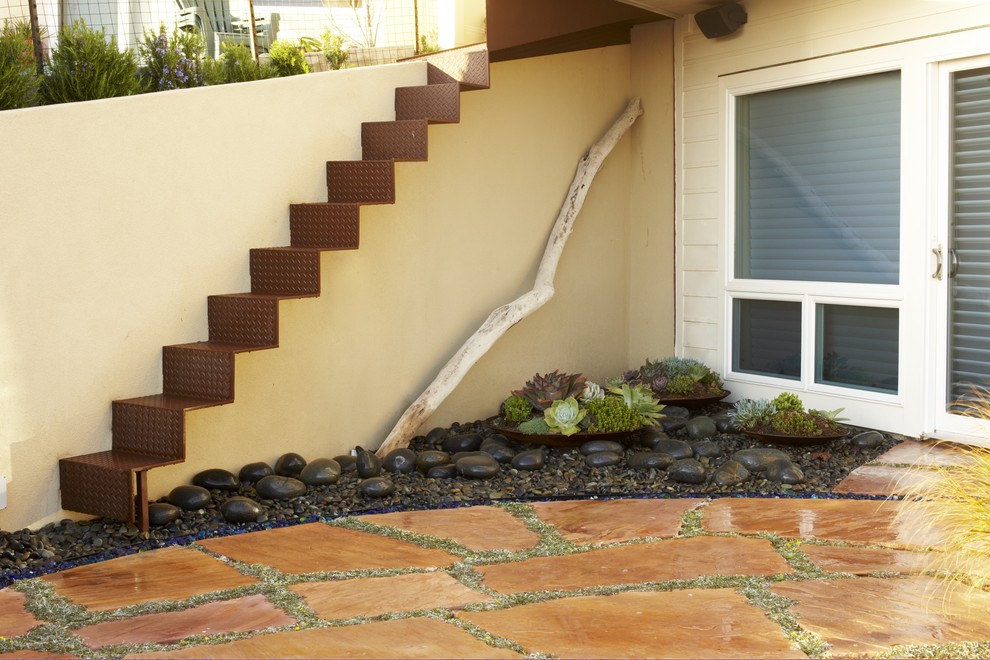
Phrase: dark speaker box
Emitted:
{"points": [[720, 21]]}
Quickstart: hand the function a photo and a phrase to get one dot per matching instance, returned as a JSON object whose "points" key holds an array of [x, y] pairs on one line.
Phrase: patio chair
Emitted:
{"points": [[213, 19]]}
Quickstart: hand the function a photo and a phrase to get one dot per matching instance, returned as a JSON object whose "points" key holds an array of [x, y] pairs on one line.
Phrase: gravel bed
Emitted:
{"points": [[565, 475]]}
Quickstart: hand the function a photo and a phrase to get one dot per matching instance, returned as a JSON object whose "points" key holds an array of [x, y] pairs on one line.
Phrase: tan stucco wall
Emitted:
{"points": [[121, 216]]}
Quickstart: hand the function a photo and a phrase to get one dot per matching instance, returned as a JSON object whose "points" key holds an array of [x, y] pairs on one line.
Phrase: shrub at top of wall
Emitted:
{"points": [[86, 65], [18, 82]]}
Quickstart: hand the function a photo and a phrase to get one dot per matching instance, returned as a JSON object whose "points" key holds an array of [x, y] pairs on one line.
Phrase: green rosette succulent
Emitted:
{"points": [[639, 398], [564, 416]]}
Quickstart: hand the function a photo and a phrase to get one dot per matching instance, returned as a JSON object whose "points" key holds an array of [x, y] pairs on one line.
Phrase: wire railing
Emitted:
{"points": [[373, 31]]}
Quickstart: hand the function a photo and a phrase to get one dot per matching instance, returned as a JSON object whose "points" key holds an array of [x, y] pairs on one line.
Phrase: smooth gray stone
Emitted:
{"points": [[347, 463], [446, 471], [595, 446], [190, 498], [368, 464], [501, 453], [867, 440], [377, 487], [289, 465], [436, 435], [651, 435], [321, 472], [497, 439], [672, 424], [724, 423], [730, 473], [430, 458], [277, 487], [477, 467], [462, 442], [401, 460], [706, 448], [162, 513], [216, 478], [784, 471], [700, 428], [676, 448], [252, 472], [240, 510], [529, 460], [646, 460], [758, 458], [676, 412], [602, 459], [687, 471]]}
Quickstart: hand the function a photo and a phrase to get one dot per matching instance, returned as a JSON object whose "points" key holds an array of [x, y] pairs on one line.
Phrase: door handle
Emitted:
{"points": [[937, 251], [953, 263]]}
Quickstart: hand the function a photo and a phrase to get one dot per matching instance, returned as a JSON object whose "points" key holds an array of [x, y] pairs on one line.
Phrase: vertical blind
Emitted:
{"points": [[818, 182], [969, 319]]}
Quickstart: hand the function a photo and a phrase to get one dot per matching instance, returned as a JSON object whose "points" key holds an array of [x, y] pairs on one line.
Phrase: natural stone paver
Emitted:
{"points": [[407, 638], [15, 620], [471, 527], [145, 577], [611, 521], [885, 480], [927, 453], [319, 547], [853, 521], [346, 599], [870, 615], [863, 561], [711, 623], [677, 559], [238, 615]]}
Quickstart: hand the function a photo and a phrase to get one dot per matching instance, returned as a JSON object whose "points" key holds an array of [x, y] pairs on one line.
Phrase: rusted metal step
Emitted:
{"points": [[325, 226], [437, 104], [246, 319], [201, 370], [285, 271], [361, 181], [404, 140]]}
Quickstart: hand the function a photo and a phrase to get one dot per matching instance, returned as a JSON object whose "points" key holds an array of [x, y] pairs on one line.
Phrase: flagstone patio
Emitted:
{"points": [[731, 577]]}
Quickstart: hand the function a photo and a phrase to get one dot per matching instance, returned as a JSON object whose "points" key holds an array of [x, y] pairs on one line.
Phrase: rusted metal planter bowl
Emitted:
{"points": [[692, 403], [555, 440], [796, 440]]}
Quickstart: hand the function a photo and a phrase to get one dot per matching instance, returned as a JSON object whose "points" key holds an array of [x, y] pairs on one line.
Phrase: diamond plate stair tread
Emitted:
{"points": [[220, 347], [168, 402], [361, 181], [285, 271], [400, 140], [115, 459], [438, 104], [194, 372], [325, 225]]}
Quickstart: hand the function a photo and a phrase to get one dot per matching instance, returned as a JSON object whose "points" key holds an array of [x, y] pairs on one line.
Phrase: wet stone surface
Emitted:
{"points": [[533, 473]]}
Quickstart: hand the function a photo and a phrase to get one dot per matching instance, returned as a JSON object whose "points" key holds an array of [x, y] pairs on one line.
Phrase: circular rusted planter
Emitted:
{"points": [[555, 440], [796, 440], [691, 403]]}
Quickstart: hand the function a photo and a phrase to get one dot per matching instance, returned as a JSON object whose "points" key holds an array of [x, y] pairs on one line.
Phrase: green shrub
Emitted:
{"points": [[235, 65], [86, 65], [517, 409], [611, 414], [172, 63], [287, 59], [428, 43], [333, 50], [787, 401], [18, 76], [683, 385]]}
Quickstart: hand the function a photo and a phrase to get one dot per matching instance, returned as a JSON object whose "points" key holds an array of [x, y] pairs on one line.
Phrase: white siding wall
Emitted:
{"points": [[787, 32]]}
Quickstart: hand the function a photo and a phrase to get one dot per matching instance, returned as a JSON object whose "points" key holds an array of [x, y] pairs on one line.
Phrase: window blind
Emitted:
{"points": [[818, 182], [969, 318]]}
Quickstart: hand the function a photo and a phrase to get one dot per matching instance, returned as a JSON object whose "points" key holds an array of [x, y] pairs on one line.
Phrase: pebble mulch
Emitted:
{"points": [[694, 455]]}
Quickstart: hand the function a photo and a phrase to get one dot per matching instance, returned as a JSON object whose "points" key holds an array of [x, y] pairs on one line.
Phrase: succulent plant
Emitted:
{"points": [[639, 398], [830, 416], [610, 414], [592, 392], [750, 414], [564, 417], [681, 376], [683, 385], [517, 409], [535, 426], [788, 401], [795, 422], [543, 390]]}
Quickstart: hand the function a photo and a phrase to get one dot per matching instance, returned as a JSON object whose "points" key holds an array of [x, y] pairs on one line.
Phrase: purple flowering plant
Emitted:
{"points": [[173, 61]]}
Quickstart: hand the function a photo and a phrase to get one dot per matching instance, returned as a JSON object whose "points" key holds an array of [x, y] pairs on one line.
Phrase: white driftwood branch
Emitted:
{"points": [[506, 316]]}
